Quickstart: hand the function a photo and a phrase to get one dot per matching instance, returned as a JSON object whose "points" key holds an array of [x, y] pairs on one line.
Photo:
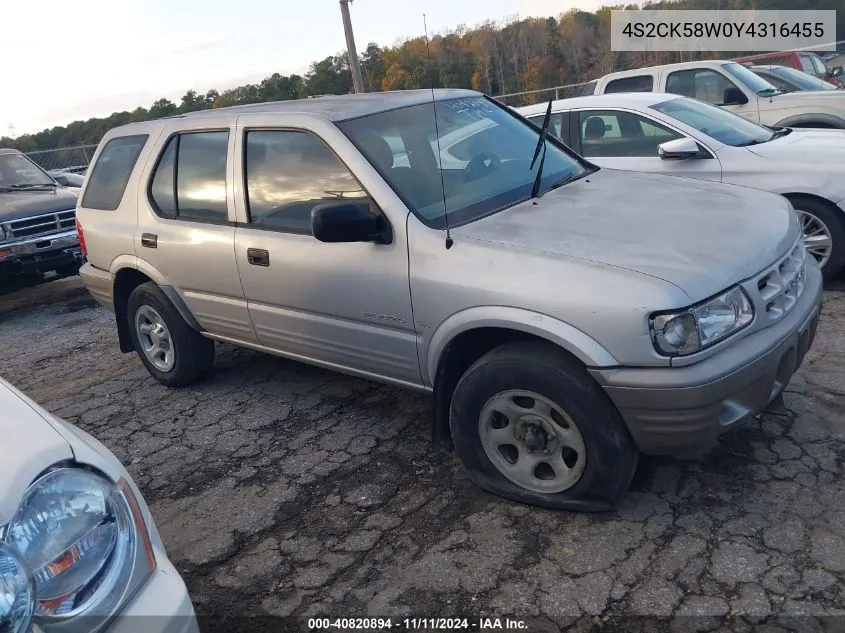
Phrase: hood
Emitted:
{"points": [[806, 145], [700, 236], [828, 98], [23, 204], [28, 445]]}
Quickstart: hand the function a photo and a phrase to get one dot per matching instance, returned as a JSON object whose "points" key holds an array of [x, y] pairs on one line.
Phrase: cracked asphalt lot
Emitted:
{"points": [[281, 489]]}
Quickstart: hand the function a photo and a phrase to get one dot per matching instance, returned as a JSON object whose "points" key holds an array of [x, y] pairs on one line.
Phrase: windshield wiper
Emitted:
{"points": [[770, 92], [31, 185], [781, 133], [541, 144]]}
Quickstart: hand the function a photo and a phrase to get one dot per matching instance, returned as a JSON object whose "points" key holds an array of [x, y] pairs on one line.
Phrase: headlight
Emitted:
{"points": [[17, 594], [84, 542], [702, 325]]}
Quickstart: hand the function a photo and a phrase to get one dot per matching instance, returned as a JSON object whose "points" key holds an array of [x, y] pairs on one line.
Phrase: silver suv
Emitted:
{"points": [[564, 317]]}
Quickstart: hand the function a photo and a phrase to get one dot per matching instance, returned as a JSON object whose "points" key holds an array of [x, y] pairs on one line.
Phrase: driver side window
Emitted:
{"points": [[287, 174], [609, 134], [700, 83]]}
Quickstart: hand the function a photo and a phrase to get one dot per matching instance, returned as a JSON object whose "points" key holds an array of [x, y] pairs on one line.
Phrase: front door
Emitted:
{"points": [[619, 139], [715, 88], [343, 305]]}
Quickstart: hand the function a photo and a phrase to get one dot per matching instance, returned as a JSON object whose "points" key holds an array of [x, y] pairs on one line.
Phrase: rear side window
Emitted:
{"points": [[107, 181], [640, 83], [807, 64], [190, 179]]}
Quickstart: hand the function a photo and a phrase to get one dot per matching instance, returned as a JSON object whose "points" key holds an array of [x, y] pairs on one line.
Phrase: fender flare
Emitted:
{"points": [[806, 119], [583, 347], [142, 266]]}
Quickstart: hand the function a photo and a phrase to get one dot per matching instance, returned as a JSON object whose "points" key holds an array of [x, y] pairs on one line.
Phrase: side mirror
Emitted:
{"points": [[836, 71], [62, 180], [678, 149], [344, 221], [734, 96]]}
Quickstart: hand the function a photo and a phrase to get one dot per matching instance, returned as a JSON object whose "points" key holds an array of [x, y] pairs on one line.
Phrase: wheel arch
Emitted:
{"points": [[466, 336], [813, 120], [128, 275]]}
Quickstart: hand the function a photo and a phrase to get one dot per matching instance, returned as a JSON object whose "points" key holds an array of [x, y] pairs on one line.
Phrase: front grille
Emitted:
{"points": [[41, 225], [781, 285]]}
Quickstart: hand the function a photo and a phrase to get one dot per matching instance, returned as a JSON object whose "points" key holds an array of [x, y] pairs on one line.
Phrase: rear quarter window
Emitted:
{"points": [[640, 83], [107, 182]]}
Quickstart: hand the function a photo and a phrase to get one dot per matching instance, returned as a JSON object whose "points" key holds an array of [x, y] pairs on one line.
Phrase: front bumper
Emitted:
{"points": [[682, 410], [161, 606], [40, 254]]}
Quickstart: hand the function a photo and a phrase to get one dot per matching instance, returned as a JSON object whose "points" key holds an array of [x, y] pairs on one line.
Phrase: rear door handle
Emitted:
{"points": [[150, 240], [258, 257]]}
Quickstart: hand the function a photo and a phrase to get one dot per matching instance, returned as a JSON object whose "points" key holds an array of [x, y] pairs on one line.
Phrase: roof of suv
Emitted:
{"points": [[341, 107], [8, 150]]}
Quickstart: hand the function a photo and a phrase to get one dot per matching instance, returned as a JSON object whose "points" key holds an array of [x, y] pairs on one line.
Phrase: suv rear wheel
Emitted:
{"points": [[173, 352], [530, 424]]}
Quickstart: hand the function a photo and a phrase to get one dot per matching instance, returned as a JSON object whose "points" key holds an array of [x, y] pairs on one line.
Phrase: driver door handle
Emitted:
{"points": [[258, 257]]}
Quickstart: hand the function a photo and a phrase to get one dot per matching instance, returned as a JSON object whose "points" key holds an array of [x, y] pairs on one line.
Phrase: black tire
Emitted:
{"points": [[611, 455], [834, 220], [194, 354]]}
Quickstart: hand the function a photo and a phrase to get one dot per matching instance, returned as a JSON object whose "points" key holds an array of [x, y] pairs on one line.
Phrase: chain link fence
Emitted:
{"points": [[74, 159], [519, 99]]}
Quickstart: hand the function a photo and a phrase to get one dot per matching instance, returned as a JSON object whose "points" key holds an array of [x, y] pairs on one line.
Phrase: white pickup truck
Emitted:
{"points": [[734, 87]]}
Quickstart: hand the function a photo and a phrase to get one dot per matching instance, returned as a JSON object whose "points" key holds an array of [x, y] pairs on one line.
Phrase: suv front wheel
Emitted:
{"points": [[171, 350], [531, 425]]}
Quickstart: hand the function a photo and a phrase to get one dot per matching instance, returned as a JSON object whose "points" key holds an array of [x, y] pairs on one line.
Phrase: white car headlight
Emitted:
{"points": [[84, 542], [17, 594], [702, 325]]}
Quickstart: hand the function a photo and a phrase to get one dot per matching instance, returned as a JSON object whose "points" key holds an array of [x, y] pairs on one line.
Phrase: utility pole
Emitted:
{"points": [[354, 63]]}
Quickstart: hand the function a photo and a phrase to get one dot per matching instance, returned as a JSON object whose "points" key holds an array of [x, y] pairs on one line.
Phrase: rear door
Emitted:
{"points": [[621, 139], [186, 229]]}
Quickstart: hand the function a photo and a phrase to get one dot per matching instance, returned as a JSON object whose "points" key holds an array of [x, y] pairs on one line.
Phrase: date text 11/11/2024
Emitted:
{"points": [[417, 624]]}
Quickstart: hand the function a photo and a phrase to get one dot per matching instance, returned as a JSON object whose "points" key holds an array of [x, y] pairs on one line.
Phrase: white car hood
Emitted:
{"points": [[824, 98], [29, 443], [807, 145]]}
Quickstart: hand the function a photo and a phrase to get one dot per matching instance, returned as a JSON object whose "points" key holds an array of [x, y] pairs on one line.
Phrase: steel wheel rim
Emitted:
{"points": [[155, 339], [817, 238], [532, 441]]}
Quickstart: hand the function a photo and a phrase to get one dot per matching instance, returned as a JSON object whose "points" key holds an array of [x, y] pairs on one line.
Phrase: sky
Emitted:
{"points": [[74, 60]]}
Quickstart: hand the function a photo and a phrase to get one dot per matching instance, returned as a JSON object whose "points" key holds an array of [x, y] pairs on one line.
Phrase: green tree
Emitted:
{"points": [[162, 107]]}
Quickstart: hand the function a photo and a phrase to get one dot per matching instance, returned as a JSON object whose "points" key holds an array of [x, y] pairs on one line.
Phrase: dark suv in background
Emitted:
{"points": [[37, 222]]}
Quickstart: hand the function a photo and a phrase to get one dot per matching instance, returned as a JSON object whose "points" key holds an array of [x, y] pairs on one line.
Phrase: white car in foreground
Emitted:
{"points": [[79, 552], [673, 135]]}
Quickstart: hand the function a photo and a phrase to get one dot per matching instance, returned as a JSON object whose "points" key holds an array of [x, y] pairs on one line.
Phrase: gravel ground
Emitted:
{"points": [[281, 489]]}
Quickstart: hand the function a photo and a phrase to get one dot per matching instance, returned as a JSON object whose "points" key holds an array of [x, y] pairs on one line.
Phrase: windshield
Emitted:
{"points": [[484, 163], [802, 80], [751, 81], [718, 123], [16, 170]]}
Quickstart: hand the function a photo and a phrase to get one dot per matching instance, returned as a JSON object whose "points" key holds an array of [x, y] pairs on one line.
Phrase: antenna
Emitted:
{"points": [[449, 240]]}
